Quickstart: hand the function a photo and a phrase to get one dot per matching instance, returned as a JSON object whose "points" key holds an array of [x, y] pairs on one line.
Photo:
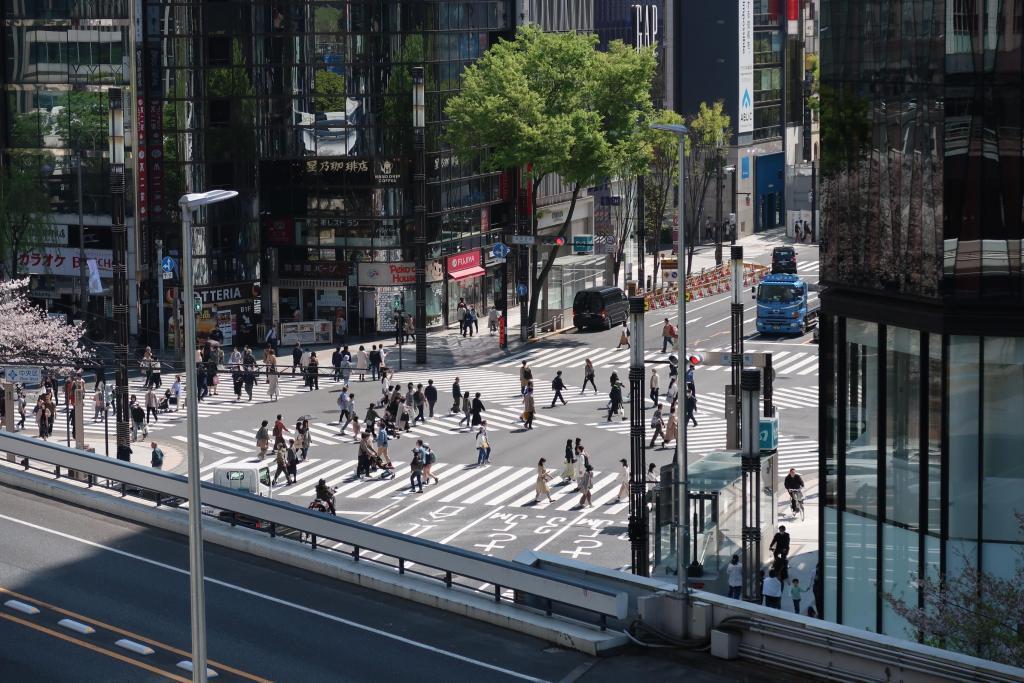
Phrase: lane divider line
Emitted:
{"points": [[96, 648], [132, 646], [21, 607], [271, 599], [76, 626], [186, 664]]}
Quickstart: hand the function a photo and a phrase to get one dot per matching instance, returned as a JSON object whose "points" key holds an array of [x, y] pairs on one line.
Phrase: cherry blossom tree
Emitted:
{"points": [[28, 335]]}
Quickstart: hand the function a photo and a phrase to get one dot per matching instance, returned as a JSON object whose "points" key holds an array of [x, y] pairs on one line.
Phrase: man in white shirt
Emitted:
{"points": [[734, 570], [771, 589]]}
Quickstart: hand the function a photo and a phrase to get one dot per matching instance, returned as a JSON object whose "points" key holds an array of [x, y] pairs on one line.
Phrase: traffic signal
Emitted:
{"points": [[197, 303], [552, 241]]}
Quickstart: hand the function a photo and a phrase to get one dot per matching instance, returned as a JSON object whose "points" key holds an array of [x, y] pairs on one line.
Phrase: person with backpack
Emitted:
{"points": [[292, 459], [429, 458], [557, 384], [483, 445], [156, 461], [418, 402], [416, 471]]}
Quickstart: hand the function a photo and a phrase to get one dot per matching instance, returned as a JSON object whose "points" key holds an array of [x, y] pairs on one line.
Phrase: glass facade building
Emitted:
{"points": [[60, 59], [922, 337], [305, 108]]}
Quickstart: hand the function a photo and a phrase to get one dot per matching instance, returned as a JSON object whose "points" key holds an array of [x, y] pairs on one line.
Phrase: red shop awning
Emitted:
{"points": [[474, 271]]}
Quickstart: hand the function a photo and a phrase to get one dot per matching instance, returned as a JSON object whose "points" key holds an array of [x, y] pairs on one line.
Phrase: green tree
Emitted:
{"points": [[553, 104], [84, 121], [398, 97], [328, 91], [662, 180], [707, 137], [24, 207]]}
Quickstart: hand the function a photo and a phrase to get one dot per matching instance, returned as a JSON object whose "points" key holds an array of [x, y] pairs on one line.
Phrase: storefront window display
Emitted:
{"points": [[466, 283]]}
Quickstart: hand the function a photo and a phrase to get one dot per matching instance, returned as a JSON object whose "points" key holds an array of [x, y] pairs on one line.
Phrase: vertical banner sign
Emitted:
{"points": [[745, 113]]}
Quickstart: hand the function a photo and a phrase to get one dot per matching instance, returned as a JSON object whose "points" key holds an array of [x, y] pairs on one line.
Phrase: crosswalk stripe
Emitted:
{"points": [[796, 366], [401, 481], [486, 476], [516, 489], [449, 482], [207, 468], [246, 444], [209, 447], [598, 485], [517, 474]]}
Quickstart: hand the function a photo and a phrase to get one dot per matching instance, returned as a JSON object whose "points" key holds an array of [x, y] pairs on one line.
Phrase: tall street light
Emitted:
{"points": [[681, 466], [189, 203], [419, 123], [119, 236]]}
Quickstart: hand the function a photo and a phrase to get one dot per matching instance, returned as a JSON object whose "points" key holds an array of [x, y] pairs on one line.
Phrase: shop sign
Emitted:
{"points": [[325, 270], [464, 260], [279, 230], [485, 219], [397, 273], [387, 172], [224, 294], [381, 171], [65, 261]]}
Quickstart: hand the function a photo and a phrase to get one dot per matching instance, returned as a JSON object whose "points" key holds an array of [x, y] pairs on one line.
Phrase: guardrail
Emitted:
{"points": [[555, 323], [295, 524]]}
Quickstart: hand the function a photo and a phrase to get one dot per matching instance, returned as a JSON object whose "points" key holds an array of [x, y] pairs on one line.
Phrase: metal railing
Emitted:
{"points": [[502, 580], [555, 323]]}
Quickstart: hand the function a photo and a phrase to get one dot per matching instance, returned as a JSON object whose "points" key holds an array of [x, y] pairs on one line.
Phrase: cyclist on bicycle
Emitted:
{"points": [[794, 483]]}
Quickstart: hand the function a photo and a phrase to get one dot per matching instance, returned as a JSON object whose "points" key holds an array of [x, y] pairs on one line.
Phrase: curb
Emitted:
{"points": [[563, 633]]}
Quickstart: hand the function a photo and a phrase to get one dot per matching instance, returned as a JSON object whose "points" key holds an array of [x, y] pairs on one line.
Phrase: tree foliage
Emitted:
{"points": [[328, 91], [84, 121], [30, 336], [707, 138], [974, 612], [551, 103], [662, 181], [24, 206]]}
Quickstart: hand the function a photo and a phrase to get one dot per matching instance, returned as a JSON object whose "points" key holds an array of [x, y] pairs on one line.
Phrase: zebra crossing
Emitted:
{"points": [[229, 442], [709, 436], [809, 267], [461, 483], [212, 405], [563, 358]]}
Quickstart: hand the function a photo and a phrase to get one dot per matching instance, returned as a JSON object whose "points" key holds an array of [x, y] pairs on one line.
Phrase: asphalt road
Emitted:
{"points": [[264, 621], [491, 509]]}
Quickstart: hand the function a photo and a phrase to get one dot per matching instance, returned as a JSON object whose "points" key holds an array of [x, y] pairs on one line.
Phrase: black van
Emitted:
{"points": [[602, 307], [784, 260]]}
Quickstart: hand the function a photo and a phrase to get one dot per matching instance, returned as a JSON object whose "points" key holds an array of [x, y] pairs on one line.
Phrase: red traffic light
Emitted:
{"points": [[559, 241]]}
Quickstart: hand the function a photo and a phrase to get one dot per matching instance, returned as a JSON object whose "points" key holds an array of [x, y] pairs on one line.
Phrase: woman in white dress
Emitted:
{"points": [[542, 482], [362, 363], [623, 493]]}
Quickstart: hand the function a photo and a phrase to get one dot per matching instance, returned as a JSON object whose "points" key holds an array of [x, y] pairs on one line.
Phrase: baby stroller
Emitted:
{"points": [[382, 463], [391, 426], [163, 405]]}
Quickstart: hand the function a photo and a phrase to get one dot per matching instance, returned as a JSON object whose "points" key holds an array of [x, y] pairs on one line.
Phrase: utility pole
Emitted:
{"points": [[718, 204], [732, 392], [160, 289]]}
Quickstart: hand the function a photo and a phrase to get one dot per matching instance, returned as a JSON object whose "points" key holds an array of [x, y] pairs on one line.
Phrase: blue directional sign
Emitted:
{"points": [[521, 289], [167, 264], [499, 250], [769, 434]]}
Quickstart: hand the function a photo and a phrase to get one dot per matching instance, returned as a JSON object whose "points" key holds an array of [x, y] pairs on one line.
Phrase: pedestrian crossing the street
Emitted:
{"points": [[709, 436], [562, 358], [458, 482], [212, 405]]}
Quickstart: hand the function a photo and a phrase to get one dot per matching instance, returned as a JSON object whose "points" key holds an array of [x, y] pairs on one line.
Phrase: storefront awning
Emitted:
{"points": [[473, 271]]}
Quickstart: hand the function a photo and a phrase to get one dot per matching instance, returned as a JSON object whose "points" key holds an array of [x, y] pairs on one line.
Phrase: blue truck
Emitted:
{"points": [[783, 306]]}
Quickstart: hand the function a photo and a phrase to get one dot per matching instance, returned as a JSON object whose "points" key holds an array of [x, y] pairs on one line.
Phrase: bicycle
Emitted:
{"points": [[796, 503]]}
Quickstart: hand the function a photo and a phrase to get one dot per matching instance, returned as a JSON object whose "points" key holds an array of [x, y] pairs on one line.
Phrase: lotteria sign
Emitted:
{"points": [[397, 273]]}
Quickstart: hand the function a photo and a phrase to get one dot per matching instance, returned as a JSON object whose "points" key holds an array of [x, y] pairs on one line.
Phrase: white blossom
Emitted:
{"points": [[28, 335]]}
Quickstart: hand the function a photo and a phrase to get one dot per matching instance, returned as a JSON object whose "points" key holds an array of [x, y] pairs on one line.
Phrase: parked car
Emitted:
{"points": [[602, 307]]}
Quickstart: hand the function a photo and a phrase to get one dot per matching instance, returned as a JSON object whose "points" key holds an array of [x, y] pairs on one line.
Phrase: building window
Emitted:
{"points": [[1003, 406], [862, 417], [902, 426], [964, 374]]}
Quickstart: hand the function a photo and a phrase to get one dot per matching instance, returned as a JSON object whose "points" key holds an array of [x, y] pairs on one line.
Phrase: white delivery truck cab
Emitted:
{"points": [[251, 477]]}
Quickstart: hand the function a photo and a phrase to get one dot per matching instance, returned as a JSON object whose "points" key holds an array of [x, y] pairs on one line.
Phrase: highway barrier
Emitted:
{"points": [[507, 582]]}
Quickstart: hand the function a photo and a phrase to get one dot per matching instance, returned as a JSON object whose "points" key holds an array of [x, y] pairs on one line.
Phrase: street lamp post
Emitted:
{"points": [[419, 122], [83, 271], [119, 235], [190, 203], [638, 531], [681, 466]]}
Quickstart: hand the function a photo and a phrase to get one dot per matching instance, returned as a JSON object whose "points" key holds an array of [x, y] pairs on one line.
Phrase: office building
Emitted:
{"points": [[752, 55], [922, 338], [60, 60]]}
